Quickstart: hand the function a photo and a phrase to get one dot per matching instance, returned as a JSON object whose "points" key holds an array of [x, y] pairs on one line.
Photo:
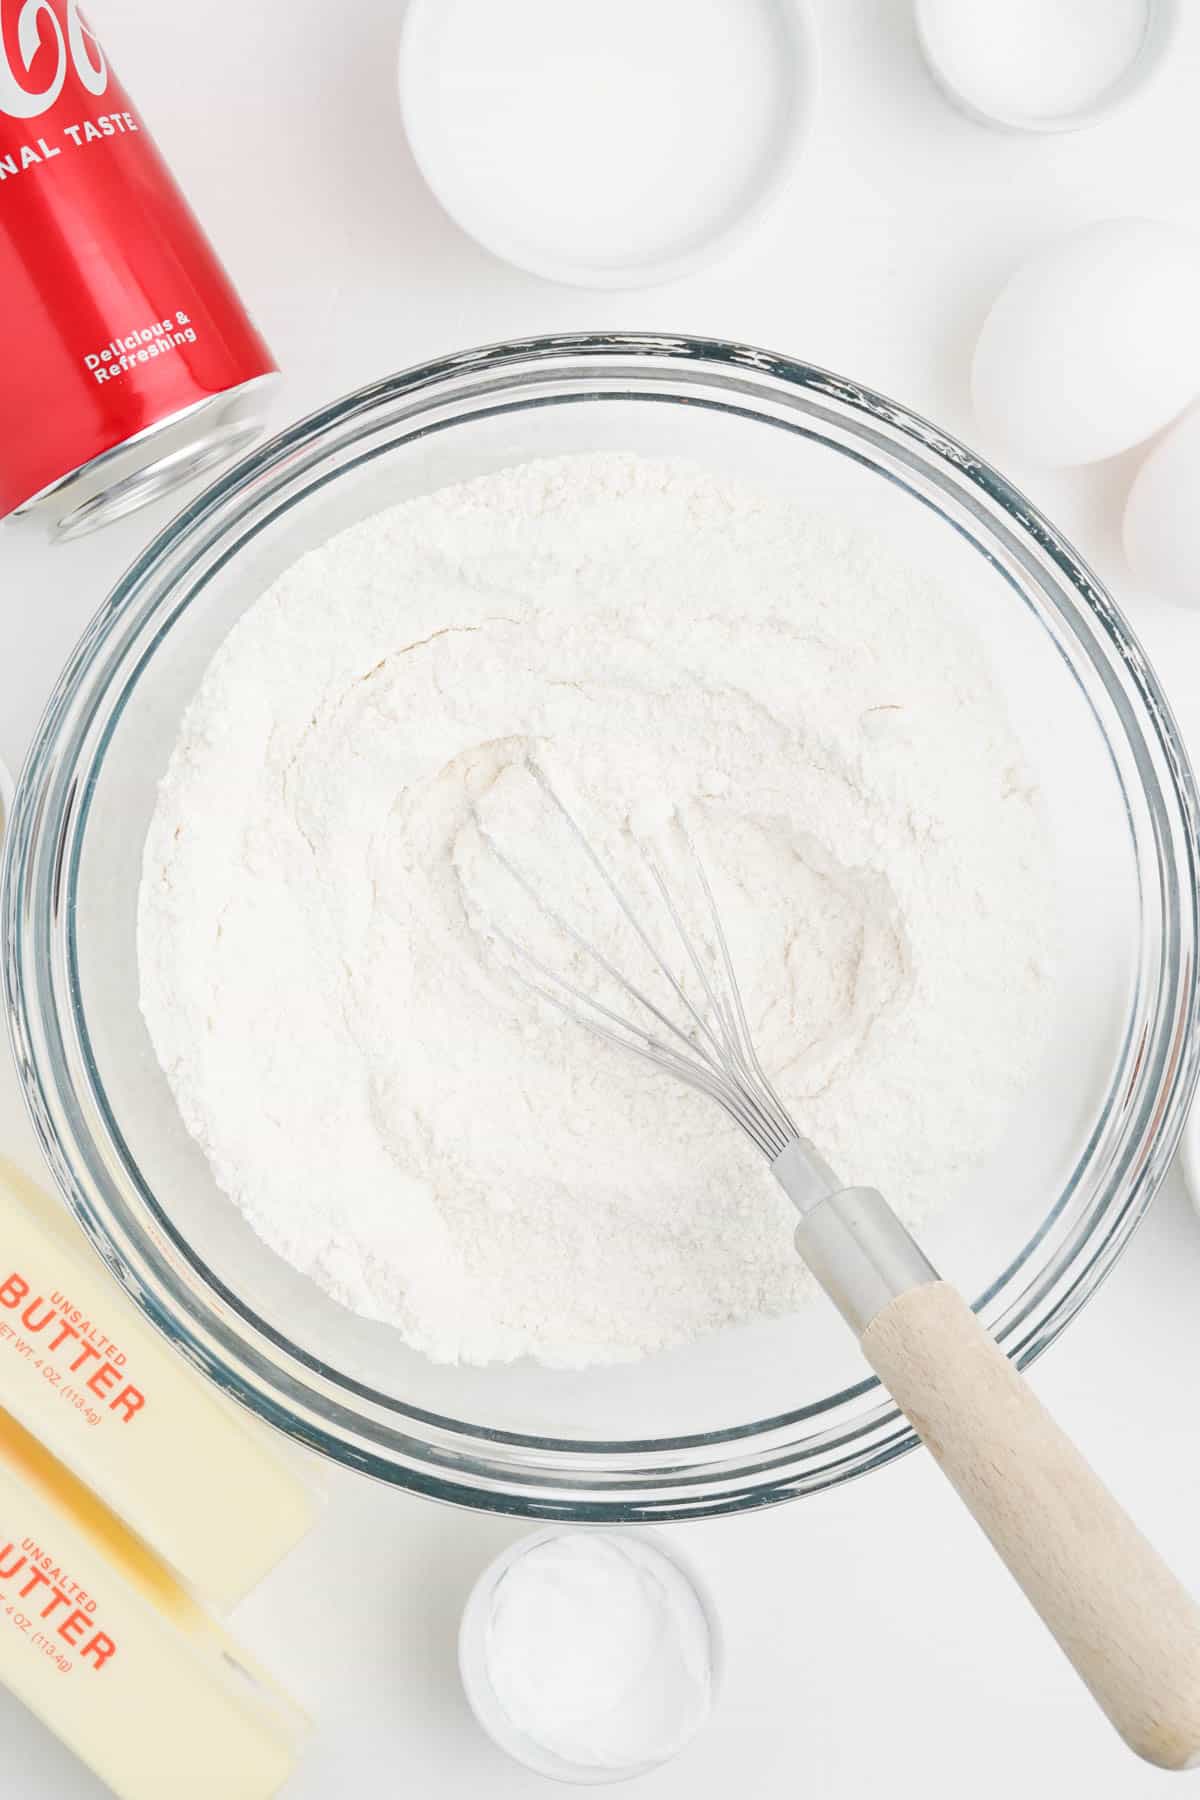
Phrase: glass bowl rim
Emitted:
{"points": [[570, 1481]]}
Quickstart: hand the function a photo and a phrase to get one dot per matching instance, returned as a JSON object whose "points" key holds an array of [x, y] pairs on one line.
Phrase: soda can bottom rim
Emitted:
{"points": [[189, 442]]}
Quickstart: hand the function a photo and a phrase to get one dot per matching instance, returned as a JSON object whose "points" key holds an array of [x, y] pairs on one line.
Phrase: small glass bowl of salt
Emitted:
{"points": [[590, 1655], [1044, 65]]}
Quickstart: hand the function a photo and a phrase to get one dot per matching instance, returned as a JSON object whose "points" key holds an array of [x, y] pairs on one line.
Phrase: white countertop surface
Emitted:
{"points": [[873, 1644]]}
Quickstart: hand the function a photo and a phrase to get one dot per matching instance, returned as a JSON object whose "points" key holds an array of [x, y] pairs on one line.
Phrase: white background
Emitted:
{"points": [[873, 1646]]}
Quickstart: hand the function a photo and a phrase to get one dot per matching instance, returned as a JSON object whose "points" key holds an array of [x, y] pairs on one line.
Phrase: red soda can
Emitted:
{"points": [[129, 363]]}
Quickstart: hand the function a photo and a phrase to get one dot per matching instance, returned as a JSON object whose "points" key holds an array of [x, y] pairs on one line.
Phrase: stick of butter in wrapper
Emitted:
{"points": [[111, 1652], [203, 1485]]}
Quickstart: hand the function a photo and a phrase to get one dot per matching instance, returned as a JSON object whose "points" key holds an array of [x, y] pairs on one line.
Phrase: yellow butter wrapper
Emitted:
{"points": [[203, 1485], [115, 1657]]}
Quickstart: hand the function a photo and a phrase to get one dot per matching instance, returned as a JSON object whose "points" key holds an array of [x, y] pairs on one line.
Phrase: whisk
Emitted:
{"points": [[1128, 1626]]}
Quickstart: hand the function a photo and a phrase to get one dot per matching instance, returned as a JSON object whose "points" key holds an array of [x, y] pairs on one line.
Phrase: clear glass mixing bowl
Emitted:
{"points": [[758, 1414]]}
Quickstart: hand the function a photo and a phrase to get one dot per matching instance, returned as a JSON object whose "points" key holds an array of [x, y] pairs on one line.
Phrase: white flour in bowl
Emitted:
{"points": [[397, 1116]]}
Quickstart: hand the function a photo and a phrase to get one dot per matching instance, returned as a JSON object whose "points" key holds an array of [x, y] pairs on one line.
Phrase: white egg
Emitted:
{"points": [[1092, 346], [1162, 515]]}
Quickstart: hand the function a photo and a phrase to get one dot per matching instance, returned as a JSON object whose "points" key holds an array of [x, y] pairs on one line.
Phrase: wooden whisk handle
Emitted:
{"points": [[1129, 1627]]}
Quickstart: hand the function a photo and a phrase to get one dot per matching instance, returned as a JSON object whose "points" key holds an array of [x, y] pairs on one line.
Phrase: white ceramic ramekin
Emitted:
{"points": [[501, 212]]}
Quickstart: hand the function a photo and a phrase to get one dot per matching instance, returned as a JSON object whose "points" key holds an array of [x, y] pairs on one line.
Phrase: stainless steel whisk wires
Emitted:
{"points": [[713, 1051], [856, 1247]]}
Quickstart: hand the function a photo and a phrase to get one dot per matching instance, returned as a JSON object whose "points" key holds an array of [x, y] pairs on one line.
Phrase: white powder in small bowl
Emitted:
{"points": [[393, 1113], [598, 1650]]}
